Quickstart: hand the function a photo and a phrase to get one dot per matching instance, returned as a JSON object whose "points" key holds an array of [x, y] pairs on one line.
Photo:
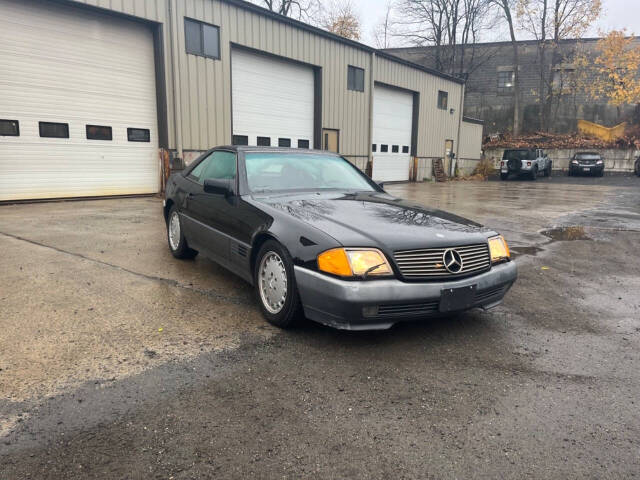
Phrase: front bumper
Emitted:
{"points": [[340, 303], [586, 169]]}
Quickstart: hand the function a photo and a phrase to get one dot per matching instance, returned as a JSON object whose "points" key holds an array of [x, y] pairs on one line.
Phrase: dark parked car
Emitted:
{"points": [[590, 163], [316, 236]]}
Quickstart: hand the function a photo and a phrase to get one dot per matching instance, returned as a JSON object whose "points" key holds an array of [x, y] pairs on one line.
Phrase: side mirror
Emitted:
{"points": [[218, 187]]}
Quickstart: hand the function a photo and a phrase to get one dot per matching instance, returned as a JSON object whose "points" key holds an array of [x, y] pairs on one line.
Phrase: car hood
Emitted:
{"points": [[377, 220]]}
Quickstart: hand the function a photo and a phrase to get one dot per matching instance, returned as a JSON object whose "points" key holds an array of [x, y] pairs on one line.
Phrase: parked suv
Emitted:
{"points": [[586, 162], [525, 161]]}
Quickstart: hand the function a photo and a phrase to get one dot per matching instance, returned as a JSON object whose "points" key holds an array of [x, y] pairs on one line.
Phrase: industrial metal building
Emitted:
{"points": [[91, 91]]}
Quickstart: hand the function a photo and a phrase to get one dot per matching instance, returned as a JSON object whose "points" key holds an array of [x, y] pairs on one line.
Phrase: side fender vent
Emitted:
{"points": [[306, 242], [242, 250]]}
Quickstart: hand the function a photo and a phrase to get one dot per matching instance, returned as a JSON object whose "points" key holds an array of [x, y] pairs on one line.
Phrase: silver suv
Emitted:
{"points": [[525, 161]]}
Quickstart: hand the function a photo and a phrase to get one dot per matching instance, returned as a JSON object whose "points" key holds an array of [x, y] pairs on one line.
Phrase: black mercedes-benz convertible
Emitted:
{"points": [[318, 238]]}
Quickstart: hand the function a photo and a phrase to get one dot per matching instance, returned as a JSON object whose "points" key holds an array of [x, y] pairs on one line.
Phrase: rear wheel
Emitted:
{"points": [[275, 285], [175, 236]]}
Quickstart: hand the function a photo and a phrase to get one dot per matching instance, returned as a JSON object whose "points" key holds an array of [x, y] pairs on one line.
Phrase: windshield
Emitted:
{"points": [[277, 171], [588, 156], [518, 155]]}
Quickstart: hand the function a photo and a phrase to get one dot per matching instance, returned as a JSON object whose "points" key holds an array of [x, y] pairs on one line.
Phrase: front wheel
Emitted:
{"points": [[637, 168], [504, 176], [547, 171], [275, 285], [175, 236], [534, 173]]}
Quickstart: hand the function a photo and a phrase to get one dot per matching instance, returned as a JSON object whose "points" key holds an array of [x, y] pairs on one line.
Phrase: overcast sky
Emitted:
{"points": [[617, 14]]}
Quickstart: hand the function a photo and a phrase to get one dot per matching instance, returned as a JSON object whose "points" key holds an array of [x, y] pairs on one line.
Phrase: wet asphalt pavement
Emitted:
{"points": [[118, 361]]}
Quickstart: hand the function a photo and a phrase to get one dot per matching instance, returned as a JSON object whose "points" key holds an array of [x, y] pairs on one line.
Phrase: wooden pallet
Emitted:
{"points": [[438, 170]]}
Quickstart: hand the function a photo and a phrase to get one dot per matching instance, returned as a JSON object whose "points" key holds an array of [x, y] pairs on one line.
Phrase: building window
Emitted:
{"points": [[98, 132], [138, 135], [443, 99], [395, 148], [505, 79], [263, 141], [384, 148], [202, 39], [284, 142], [240, 140], [9, 128], [374, 147], [405, 149], [303, 143], [54, 130], [355, 79]]}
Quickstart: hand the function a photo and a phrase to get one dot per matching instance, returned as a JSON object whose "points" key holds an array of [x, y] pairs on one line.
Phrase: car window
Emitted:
{"points": [[197, 171], [221, 167], [268, 172], [218, 165], [523, 154]]}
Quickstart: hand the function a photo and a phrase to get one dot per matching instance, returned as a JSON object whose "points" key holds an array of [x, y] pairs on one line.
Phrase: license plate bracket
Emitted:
{"points": [[455, 299]]}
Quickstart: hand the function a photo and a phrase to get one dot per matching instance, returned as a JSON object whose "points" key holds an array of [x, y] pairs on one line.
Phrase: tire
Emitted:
{"points": [[569, 173], [274, 262], [534, 173], [637, 168], [547, 171], [175, 237], [601, 173], [504, 176]]}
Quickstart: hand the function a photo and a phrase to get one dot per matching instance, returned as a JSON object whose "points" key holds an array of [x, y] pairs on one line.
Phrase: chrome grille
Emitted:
{"points": [[428, 262]]}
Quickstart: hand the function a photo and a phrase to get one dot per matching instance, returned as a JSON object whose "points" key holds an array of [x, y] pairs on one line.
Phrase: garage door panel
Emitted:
{"points": [[68, 65], [271, 98], [392, 124]]}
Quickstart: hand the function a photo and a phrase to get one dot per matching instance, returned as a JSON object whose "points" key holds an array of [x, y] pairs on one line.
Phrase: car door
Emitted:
{"points": [[210, 215]]}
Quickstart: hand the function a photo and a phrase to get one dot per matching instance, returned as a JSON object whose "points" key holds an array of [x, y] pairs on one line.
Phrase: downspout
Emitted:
{"points": [[457, 149], [175, 64], [371, 86]]}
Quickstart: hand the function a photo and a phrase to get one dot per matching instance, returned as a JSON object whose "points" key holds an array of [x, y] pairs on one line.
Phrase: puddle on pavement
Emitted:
{"points": [[566, 233], [517, 251]]}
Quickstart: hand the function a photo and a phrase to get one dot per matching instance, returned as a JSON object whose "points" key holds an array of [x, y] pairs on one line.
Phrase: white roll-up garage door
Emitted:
{"points": [[272, 101], [392, 122], [82, 74]]}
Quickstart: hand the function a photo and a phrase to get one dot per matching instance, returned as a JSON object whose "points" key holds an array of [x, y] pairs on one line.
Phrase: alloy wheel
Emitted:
{"points": [[272, 278]]}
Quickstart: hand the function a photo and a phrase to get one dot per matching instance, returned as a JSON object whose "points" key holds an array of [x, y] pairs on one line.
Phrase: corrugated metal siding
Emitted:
{"points": [[209, 80], [206, 83], [470, 141], [434, 125]]}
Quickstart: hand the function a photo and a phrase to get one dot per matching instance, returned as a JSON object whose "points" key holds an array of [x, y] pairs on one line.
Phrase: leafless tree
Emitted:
{"points": [[506, 7], [550, 22], [306, 10], [383, 30], [452, 27]]}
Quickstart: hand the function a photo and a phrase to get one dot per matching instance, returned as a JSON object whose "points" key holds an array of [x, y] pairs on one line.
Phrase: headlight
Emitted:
{"points": [[599, 162], [499, 249], [350, 262], [574, 161]]}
